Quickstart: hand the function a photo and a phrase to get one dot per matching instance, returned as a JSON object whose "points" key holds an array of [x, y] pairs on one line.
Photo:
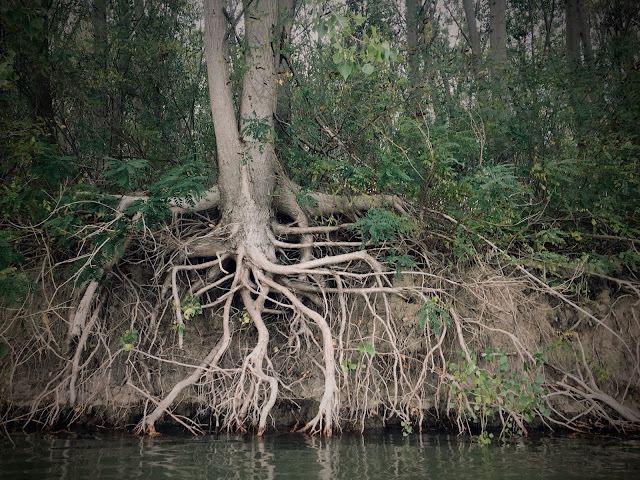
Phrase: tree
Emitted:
{"points": [[578, 32], [548, 13], [415, 20], [421, 35], [498, 31], [474, 36], [248, 175]]}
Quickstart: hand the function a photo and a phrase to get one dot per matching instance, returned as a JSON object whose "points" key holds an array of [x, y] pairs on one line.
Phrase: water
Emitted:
{"points": [[372, 456]]}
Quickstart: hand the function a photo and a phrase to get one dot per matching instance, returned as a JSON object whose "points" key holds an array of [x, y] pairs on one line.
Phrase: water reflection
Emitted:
{"points": [[363, 457]]}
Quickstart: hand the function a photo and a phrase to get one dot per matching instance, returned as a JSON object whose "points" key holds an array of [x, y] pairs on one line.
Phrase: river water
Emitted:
{"points": [[283, 456]]}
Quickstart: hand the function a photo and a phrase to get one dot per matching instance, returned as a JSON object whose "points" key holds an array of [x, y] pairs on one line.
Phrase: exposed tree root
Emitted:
{"points": [[312, 311]]}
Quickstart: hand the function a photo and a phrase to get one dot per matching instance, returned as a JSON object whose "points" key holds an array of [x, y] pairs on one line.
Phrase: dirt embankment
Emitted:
{"points": [[402, 365]]}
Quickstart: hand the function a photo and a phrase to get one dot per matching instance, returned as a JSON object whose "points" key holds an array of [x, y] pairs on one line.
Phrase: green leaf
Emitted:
{"points": [[4, 347], [322, 29], [345, 69], [368, 69], [370, 349]]}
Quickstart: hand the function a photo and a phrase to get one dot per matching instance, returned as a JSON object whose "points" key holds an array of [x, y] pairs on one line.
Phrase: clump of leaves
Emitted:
{"points": [[126, 174], [128, 339], [485, 438], [244, 317], [400, 261], [258, 129], [191, 307], [407, 429], [436, 314], [487, 393], [13, 283], [186, 181], [373, 51], [366, 348], [380, 225]]}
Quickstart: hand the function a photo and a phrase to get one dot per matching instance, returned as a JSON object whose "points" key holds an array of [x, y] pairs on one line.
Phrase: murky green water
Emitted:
{"points": [[374, 456]]}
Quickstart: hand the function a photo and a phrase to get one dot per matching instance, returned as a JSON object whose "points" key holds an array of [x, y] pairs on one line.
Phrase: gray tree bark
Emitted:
{"points": [[286, 13], [246, 158], [548, 12], [498, 31], [578, 31], [414, 34], [474, 37]]}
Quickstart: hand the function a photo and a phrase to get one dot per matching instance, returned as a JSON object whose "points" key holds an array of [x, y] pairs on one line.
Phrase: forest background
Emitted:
{"points": [[452, 164]]}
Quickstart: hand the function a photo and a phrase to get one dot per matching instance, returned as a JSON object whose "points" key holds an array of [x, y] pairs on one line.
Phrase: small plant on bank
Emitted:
{"points": [[516, 398], [436, 314], [190, 308], [407, 429], [381, 225], [128, 339], [367, 347], [244, 317], [485, 438]]}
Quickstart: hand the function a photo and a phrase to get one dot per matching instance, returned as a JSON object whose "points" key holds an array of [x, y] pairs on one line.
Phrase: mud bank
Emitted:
{"points": [[488, 351]]}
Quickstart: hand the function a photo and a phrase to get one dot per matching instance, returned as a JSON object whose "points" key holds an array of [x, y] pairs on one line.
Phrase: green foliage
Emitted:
{"points": [[400, 261], [257, 129], [498, 388], [115, 128], [126, 174], [434, 312], [348, 365], [8, 254], [187, 180], [14, 284], [244, 319], [363, 350], [407, 429], [5, 348], [305, 200], [367, 348], [354, 48], [380, 225], [128, 339], [6, 70], [485, 438], [191, 307]]}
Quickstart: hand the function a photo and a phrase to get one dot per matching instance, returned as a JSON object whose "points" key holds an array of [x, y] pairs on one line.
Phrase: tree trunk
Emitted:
{"points": [[286, 12], [34, 80], [100, 120], [548, 14], [474, 37], [572, 31], [585, 30], [578, 31], [414, 43], [246, 159], [498, 32]]}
